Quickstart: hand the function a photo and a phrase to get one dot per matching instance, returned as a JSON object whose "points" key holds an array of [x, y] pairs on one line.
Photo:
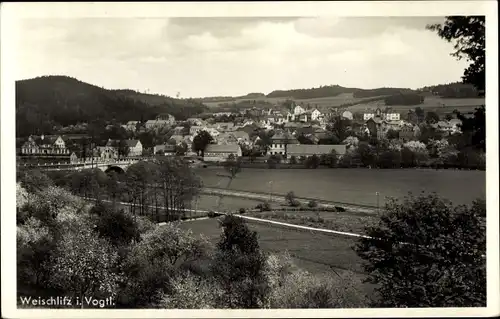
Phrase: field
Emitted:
{"points": [[356, 185], [321, 103], [431, 103], [317, 253]]}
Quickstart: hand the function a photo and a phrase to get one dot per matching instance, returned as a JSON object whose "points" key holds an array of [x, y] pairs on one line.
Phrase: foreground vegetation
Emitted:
{"points": [[68, 246]]}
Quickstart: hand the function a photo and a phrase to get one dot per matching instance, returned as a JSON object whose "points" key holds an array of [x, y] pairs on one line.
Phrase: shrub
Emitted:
{"points": [[242, 211], [211, 214], [339, 209], [437, 264], [263, 207], [312, 204]]}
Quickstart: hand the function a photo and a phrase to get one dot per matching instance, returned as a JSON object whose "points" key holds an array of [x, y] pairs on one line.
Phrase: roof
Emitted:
{"points": [[280, 136], [132, 143], [241, 134], [177, 138], [306, 149], [222, 148]]}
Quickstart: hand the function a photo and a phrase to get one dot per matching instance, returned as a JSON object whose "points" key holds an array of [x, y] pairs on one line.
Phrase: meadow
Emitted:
{"points": [[431, 103], [352, 185], [317, 253]]}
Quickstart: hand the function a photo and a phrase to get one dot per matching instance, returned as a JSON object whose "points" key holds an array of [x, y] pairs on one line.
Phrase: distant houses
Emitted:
{"points": [[302, 150]]}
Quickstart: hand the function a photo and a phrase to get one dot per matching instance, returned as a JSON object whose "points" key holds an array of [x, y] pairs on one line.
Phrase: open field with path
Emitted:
{"points": [[311, 251], [355, 185]]}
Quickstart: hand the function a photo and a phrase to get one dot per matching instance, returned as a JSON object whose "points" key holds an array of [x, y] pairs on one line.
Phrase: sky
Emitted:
{"points": [[200, 57]]}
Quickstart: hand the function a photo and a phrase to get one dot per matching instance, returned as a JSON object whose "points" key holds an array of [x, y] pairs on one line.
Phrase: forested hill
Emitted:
{"points": [[43, 102], [452, 90]]}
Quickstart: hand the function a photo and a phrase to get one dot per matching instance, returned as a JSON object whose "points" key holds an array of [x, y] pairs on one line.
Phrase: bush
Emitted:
{"points": [[437, 264], [242, 211], [312, 204], [263, 207], [339, 209], [211, 214]]}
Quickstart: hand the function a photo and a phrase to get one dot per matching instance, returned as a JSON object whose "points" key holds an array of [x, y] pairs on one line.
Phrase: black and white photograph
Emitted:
{"points": [[216, 159]]}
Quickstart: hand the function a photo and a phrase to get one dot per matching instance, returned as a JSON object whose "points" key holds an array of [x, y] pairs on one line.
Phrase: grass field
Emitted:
{"points": [[311, 251], [356, 185], [431, 103], [321, 102], [340, 221]]}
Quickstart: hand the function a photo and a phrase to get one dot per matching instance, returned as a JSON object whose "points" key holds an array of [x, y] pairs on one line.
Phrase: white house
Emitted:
{"points": [[279, 143], [347, 115], [297, 110], [220, 153], [315, 115], [169, 119], [135, 147]]}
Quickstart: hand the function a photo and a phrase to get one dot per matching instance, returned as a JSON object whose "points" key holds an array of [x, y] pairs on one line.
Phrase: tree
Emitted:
{"points": [[84, 265], [420, 113], [200, 142], [312, 161], [34, 181], [123, 148], [475, 128], [431, 117], [340, 127], [468, 35], [392, 134], [114, 225], [427, 253], [239, 266]]}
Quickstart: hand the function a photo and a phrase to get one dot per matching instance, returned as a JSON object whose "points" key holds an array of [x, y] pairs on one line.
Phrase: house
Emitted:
{"points": [[348, 115], [223, 126], [169, 119], [389, 116], [303, 150], [227, 138], [177, 138], [44, 145], [316, 115], [220, 153], [195, 121], [297, 110], [409, 132], [107, 152], [280, 142], [131, 126], [242, 136], [165, 149], [377, 127], [179, 130], [156, 124], [195, 129], [135, 147]]}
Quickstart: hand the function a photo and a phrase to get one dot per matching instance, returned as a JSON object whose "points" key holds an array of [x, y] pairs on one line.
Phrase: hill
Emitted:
{"points": [[452, 90], [43, 102], [334, 90]]}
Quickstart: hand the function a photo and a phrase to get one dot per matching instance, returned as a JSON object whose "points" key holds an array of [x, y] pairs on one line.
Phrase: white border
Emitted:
{"points": [[12, 11]]}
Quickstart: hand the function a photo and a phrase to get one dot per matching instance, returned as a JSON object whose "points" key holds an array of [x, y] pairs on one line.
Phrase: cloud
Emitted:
{"points": [[234, 56]]}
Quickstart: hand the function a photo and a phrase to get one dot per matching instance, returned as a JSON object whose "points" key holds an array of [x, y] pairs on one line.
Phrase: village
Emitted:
{"points": [[252, 132]]}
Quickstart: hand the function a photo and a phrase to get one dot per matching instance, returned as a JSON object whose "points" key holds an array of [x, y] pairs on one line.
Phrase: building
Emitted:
{"points": [[226, 138], [44, 145], [348, 115], [135, 147], [131, 126], [280, 142], [195, 121], [303, 150], [220, 153], [107, 152], [165, 149], [195, 129], [316, 115], [156, 124], [166, 117], [223, 126], [409, 132], [377, 127], [389, 116]]}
